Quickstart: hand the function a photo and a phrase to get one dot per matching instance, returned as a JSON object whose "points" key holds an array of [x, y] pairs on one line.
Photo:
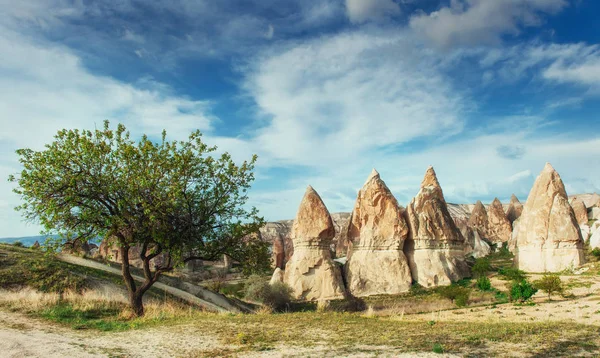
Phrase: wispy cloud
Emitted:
{"points": [[477, 22]]}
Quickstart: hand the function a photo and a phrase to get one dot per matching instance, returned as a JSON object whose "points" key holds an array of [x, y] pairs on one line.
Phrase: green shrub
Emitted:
{"points": [[18, 244], [457, 294], [596, 252], [484, 284], [512, 274], [437, 348], [277, 296], [522, 291], [549, 284], [482, 266]]}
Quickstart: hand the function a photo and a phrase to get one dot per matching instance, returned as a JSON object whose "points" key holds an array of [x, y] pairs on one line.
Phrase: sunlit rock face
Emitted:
{"points": [[377, 230], [548, 236], [581, 215], [499, 227], [435, 247], [311, 272], [479, 219], [515, 208]]}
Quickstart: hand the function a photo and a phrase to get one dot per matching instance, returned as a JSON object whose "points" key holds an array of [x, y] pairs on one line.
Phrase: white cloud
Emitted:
{"points": [[44, 88], [359, 11], [331, 99], [475, 22]]}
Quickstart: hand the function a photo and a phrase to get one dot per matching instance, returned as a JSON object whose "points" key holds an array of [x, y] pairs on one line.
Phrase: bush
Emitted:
{"points": [[522, 291], [482, 266], [511, 273], [457, 294], [484, 284], [277, 296], [549, 284], [18, 244], [596, 252]]}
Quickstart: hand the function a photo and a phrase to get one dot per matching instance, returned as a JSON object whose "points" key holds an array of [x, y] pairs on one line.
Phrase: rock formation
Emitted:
{"points": [[435, 247], [36, 245], [479, 219], [277, 276], [580, 211], [515, 208], [548, 237], [311, 272], [377, 230], [499, 227], [475, 245], [279, 235], [341, 244]]}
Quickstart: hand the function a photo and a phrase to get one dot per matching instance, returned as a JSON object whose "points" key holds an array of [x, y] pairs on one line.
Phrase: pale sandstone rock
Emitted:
{"points": [[377, 264], [311, 272], [435, 247], [595, 240], [548, 238], [476, 246], [479, 219], [585, 231], [499, 227], [580, 211], [514, 210], [512, 243], [594, 213], [277, 276]]}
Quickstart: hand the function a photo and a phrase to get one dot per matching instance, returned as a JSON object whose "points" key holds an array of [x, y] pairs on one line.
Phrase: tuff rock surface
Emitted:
{"points": [[479, 219], [499, 227], [435, 247], [580, 211], [548, 237], [514, 210], [311, 272], [376, 263]]}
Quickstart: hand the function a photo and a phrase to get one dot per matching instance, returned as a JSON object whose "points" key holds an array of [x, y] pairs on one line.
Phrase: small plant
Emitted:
{"points": [[596, 252], [522, 291], [457, 294], [484, 284], [482, 266], [550, 284], [437, 348], [512, 274], [277, 296]]}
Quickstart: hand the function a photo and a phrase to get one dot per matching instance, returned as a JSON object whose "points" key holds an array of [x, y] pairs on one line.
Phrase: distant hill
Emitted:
{"points": [[26, 240]]}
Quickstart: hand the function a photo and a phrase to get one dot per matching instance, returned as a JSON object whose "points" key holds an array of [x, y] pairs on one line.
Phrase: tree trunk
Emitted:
{"points": [[136, 303]]}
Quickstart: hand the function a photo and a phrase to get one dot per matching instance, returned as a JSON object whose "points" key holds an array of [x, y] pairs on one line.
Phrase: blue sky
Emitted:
{"points": [[324, 90]]}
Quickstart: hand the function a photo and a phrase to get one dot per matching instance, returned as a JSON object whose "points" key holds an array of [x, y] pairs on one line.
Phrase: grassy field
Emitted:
{"points": [[386, 327]]}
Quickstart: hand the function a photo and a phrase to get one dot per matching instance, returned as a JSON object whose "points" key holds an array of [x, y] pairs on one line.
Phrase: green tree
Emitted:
{"points": [[522, 291], [549, 284], [172, 200]]}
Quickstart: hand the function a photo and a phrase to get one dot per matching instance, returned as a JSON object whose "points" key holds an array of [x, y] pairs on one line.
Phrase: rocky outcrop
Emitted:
{"points": [[479, 219], [548, 238], [589, 200], [311, 272], [341, 244], [580, 211], [279, 235], [515, 208], [475, 245], [499, 228], [435, 247], [277, 276], [377, 230]]}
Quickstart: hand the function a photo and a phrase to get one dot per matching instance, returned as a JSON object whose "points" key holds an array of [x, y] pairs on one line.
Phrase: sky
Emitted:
{"points": [[486, 91]]}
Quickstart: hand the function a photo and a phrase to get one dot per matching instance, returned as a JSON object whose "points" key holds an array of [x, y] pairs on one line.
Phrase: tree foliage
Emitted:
{"points": [[550, 284], [173, 200], [522, 291]]}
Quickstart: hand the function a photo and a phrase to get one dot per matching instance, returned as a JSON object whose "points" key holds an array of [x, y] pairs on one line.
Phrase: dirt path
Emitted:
{"points": [[23, 336], [188, 297]]}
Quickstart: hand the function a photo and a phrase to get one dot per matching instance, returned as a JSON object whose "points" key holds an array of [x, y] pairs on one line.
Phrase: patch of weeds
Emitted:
{"points": [[438, 348], [511, 274]]}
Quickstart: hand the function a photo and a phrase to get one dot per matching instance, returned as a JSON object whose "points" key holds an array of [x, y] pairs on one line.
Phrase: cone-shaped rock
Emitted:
{"points": [[548, 237], [311, 272], [479, 219], [475, 245], [580, 211], [435, 247], [376, 264], [515, 208], [499, 228]]}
